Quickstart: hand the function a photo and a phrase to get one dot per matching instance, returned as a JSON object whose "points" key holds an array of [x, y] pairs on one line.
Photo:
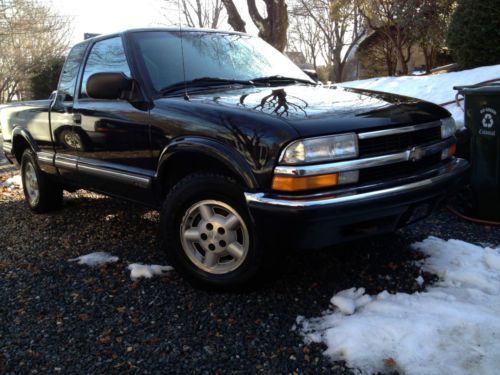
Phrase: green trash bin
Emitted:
{"points": [[482, 119]]}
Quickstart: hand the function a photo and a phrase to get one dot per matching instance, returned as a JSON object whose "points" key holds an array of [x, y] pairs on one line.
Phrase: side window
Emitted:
{"points": [[106, 56], [67, 81]]}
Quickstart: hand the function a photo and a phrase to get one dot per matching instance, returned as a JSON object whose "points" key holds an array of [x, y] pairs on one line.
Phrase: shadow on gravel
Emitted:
{"points": [[60, 316], [89, 222], [86, 223]]}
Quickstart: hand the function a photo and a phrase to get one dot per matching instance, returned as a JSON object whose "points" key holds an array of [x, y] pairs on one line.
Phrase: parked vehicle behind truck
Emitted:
{"points": [[234, 144]]}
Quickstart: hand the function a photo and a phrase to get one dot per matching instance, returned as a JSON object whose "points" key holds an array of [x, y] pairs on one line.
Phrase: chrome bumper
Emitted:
{"points": [[442, 174], [7, 147]]}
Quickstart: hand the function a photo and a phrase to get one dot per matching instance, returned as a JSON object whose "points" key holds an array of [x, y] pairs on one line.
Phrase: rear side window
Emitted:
{"points": [[67, 81], [106, 56]]}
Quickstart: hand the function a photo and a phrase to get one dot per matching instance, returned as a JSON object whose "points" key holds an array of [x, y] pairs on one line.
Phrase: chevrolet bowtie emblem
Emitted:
{"points": [[416, 153]]}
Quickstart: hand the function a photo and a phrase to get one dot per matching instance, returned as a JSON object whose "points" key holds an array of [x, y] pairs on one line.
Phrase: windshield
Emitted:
{"points": [[210, 54]]}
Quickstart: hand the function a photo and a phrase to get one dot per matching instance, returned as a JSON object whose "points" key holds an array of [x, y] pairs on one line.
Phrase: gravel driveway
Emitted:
{"points": [[58, 316]]}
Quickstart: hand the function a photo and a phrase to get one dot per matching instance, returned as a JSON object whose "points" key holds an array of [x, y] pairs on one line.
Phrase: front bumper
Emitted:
{"points": [[7, 151], [322, 220]]}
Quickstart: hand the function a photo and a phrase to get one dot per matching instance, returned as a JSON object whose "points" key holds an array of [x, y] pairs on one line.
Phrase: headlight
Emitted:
{"points": [[313, 150], [448, 127]]}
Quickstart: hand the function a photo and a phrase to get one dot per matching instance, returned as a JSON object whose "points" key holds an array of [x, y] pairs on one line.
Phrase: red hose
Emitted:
{"points": [[457, 99], [473, 219]]}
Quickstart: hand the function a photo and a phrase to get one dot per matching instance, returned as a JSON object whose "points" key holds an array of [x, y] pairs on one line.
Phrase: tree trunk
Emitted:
{"points": [[338, 65], [401, 61], [272, 29], [233, 16], [275, 32], [339, 72], [391, 69], [429, 55]]}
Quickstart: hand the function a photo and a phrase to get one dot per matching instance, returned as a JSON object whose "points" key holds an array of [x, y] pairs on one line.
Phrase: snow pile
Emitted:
{"points": [[138, 270], [453, 327], [95, 259], [436, 88], [15, 181]]}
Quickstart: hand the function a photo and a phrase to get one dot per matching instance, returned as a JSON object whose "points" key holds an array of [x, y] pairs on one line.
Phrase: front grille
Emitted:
{"points": [[396, 170], [397, 142]]}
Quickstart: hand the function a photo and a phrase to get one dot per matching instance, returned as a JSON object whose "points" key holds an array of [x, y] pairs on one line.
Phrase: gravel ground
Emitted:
{"points": [[59, 316]]}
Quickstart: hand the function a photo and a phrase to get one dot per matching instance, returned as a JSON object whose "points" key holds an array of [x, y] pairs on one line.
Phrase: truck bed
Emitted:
{"points": [[32, 115]]}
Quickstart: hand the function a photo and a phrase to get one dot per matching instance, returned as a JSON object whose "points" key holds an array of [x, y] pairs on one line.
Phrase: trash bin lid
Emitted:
{"points": [[489, 89]]}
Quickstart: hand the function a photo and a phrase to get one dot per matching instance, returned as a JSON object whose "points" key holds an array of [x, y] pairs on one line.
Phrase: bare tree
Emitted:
{"points": [[303, 37], [196, 13], [272, 27], [396, 20], [30, 33], [377, 51], [339, 26], [234, 17], [432, 24]]}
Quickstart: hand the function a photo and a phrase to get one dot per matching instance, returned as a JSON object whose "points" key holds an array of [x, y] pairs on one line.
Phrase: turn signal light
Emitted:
{"points": [[292, 183], [448, 152], [452, 150]]}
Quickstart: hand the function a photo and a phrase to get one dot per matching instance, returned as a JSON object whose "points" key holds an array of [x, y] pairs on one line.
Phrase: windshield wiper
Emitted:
{"points": [[202, 82], [281, 79]]}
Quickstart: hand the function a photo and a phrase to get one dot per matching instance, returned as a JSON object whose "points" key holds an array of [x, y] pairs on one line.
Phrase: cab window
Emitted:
{"points": [[67, 81], [106, 56]]}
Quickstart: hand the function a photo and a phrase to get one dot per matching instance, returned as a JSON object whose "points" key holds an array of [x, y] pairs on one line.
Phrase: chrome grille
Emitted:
{"points": [[397, 169], [385, 154], [397, 142]]}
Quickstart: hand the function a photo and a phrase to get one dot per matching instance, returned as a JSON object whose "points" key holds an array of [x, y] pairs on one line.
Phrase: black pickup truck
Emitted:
{"points": [[240, 150]]}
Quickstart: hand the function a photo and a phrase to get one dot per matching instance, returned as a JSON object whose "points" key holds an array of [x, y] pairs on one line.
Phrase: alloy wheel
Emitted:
{"points": [[214, 237], [31, 184]]}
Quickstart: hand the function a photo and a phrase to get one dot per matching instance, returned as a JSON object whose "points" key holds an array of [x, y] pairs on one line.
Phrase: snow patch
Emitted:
{"points": [[349, 300], [420, 280], [95, 259], [453, 327], [15, 181], [138, 270], [435, 88]]}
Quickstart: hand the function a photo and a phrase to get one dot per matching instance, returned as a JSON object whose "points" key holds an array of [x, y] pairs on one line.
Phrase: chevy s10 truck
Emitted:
{"points": [[236, 146]]}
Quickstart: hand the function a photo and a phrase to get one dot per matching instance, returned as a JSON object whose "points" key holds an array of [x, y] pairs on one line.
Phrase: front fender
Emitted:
{"points": [[230, 158], [20, 136]]}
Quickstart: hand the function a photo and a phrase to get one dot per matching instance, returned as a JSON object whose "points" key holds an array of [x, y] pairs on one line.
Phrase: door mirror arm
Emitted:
{"points": [[134, 94]]}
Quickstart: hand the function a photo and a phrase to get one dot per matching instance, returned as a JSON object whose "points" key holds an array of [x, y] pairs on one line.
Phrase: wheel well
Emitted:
{"points": [[19, 144], [181, 164]]}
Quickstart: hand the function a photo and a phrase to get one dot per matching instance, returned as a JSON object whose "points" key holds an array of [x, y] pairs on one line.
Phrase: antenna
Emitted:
{"points": [[186, 96]]}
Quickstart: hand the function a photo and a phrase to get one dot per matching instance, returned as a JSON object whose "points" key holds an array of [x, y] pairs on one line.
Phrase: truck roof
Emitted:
{"points": [[169, 28]]}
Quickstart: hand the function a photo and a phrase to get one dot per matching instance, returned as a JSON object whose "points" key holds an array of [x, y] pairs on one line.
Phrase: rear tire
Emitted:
{"points": [[42, 192], [208, 235]]}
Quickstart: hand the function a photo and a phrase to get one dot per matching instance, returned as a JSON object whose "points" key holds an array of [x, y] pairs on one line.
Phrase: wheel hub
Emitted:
{"points": [[214, 237], [31, 184]]}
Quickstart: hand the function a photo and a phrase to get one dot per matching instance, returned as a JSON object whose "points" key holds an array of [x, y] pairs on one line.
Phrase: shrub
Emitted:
{"points": [[45, 77], [474, 33]]}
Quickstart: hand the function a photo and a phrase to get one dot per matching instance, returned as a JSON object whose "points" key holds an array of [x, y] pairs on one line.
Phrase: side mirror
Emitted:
{"points": [[108, 85], [312, 74]]}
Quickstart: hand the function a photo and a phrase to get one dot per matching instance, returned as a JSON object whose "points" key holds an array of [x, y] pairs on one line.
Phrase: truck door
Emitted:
{"points": [[114, 153], [61, 116]]}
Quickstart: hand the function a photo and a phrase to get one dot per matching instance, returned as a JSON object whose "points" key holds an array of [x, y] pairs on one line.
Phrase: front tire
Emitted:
{"points": [[42, 193], [207, 233]]}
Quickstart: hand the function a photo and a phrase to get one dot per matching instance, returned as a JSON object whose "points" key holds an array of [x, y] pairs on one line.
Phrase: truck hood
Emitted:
{"points": [[315, 111]]}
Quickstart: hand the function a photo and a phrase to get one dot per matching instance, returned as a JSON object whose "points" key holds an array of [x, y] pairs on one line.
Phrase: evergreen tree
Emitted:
{"points": [[474, 33], [45, 77]]}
